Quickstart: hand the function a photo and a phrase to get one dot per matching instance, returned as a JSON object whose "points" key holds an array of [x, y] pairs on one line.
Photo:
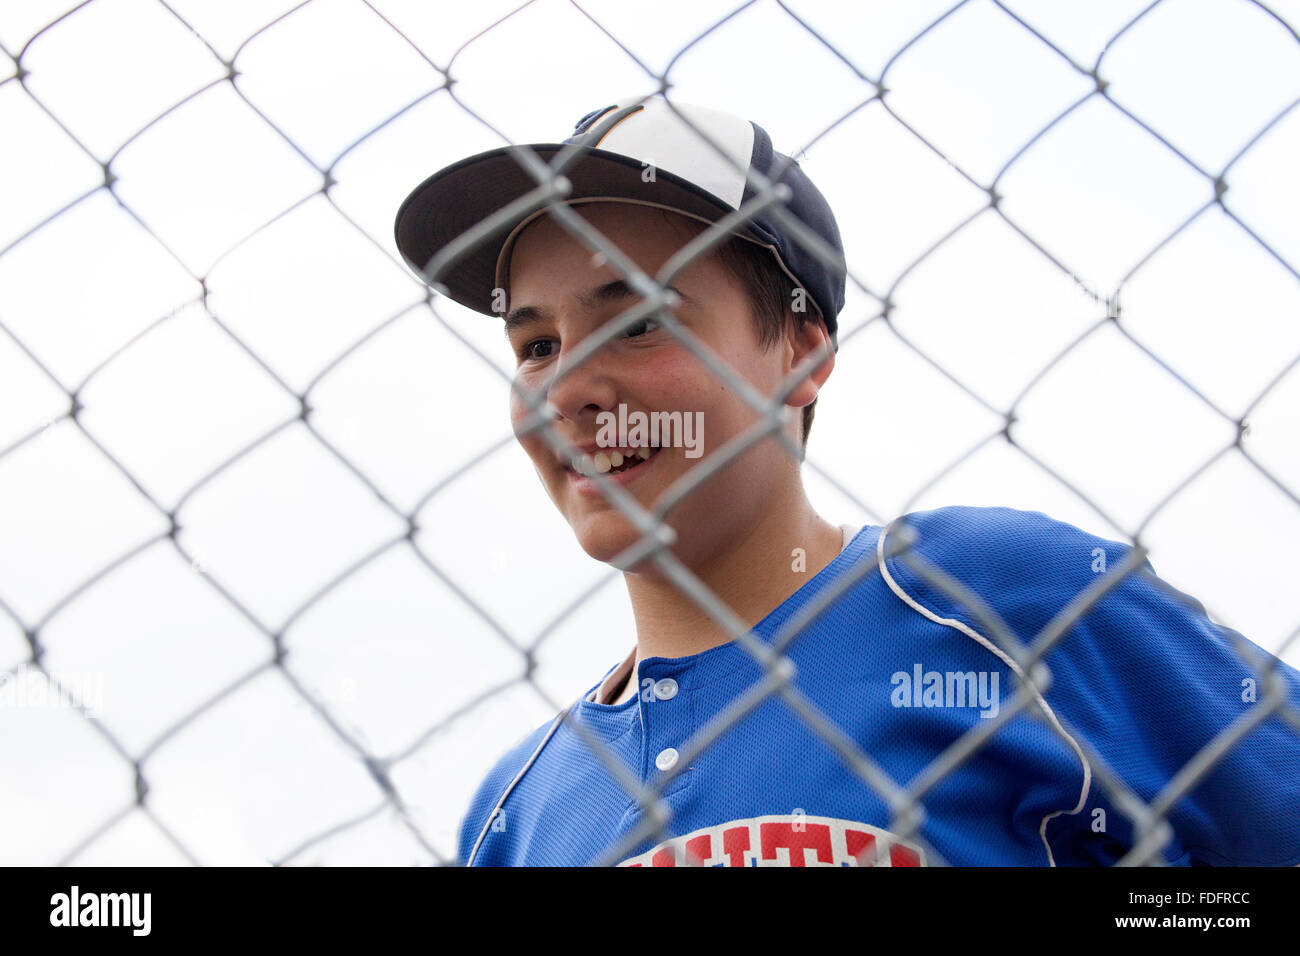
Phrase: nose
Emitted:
{"points": [[580, 392]]}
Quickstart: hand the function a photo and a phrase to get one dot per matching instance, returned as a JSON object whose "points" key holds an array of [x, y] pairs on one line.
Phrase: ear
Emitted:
{"points": [[810, 343]]}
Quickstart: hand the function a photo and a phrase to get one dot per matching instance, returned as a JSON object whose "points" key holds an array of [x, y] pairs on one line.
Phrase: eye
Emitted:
{"points": [[640, 327], [528, 350]]}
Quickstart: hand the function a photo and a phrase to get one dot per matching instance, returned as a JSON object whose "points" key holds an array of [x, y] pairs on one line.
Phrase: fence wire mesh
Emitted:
{"points": [[267, 593]]}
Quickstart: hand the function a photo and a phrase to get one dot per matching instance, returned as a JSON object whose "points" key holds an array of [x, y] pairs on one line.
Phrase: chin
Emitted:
{"points": [[604, 534]]}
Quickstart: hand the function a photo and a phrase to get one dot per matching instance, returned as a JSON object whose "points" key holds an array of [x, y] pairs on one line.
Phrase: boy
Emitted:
{"points": [[801, 693]]}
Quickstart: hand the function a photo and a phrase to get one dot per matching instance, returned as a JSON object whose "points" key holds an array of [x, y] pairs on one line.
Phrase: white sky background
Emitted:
{"points": [[392, 649]]}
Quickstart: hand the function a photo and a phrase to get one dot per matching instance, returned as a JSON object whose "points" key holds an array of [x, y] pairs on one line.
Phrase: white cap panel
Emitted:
{"points": [[658, 136]]}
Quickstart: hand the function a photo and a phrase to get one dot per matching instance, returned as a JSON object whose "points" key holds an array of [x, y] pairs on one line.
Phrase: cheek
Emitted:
{"points": [[516, 408], [691, 385], [519, 413], [674, 377]]}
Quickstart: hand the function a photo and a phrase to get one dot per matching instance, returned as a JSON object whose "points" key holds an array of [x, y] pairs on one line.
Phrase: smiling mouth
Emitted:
{"points": [[614, 461]]}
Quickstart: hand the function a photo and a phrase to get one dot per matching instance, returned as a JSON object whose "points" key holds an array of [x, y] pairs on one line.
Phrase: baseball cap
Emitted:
{"points": [[616, 145]]}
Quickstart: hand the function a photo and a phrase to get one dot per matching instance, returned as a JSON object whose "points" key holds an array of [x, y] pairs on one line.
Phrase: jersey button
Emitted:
{"points": [[666, 689], [667, 759]]}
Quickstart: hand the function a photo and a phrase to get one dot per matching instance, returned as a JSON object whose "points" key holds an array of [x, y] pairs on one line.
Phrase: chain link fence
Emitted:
{"points": [[269, 588]]}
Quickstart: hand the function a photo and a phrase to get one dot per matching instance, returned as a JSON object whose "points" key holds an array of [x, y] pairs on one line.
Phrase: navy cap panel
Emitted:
{"points": [[823, 282], [584, 124], [599, 126]]}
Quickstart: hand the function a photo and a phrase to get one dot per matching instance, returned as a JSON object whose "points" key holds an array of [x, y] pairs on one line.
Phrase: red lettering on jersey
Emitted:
{"points": [[759, 840], [735, 843], [816, 836], [861, 846], [699, 850], [903, 856]]}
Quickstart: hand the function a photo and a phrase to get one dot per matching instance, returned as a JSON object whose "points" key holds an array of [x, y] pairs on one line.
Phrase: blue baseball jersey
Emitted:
{"points": [[902, 669]]}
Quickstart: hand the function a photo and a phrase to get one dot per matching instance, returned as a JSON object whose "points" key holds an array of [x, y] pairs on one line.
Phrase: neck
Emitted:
{"points": [[752, 572]]}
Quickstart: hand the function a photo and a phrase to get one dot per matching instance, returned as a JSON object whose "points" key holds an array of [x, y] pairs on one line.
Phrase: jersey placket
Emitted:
{"points": [[667, 724]]}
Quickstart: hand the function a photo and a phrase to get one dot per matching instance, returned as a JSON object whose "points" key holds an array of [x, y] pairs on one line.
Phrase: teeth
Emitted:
{"points": [[603, 461]]}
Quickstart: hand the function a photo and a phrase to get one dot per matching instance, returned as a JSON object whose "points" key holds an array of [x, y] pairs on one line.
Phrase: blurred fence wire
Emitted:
{"points": [[64, 453]]}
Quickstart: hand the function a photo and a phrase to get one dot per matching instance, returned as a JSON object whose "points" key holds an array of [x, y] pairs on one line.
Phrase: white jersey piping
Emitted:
{"points": [[519, 776], [993, 648]]}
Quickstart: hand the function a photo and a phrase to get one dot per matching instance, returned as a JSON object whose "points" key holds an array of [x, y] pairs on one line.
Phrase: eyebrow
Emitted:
{"points": [[616, 291]]}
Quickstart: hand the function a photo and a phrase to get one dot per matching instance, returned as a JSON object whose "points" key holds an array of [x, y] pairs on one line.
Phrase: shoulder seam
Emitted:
{"points": [[1001, 655]]}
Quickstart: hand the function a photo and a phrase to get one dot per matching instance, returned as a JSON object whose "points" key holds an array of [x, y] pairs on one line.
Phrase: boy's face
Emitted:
{"points": [[559, 293]]}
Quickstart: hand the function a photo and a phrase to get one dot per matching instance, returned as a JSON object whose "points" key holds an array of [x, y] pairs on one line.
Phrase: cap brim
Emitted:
{"points": [[455, 199]]}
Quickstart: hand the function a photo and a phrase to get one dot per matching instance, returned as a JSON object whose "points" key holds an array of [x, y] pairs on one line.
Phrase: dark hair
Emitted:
{"points": [[771, 297]]}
